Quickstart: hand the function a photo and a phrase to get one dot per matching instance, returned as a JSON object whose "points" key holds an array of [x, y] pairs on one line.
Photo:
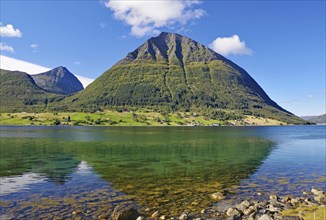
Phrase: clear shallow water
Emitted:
{"points": [[53, 171]]}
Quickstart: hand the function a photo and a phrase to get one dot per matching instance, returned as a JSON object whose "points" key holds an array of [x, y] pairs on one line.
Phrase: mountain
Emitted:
{"points": [[320, 119], [18, 92], [58, 80], [171, 72], [167, 73]]}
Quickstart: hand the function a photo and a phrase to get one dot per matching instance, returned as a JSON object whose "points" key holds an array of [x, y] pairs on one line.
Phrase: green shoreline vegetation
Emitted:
{"points": [[134, 118]]}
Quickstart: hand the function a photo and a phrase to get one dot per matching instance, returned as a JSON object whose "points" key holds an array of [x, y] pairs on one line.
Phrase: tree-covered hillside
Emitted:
{"points": [[18, 92]]}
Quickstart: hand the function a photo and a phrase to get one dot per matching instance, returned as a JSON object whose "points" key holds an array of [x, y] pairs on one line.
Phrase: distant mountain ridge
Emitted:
{"points": [[12, 64], [320, 119], [18, 92], [58, 80]]}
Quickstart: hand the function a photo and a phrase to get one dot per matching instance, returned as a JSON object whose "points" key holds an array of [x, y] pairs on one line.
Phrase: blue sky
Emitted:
{"points": [[280, 43]]}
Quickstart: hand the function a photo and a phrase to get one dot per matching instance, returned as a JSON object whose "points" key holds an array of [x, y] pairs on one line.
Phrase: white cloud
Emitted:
{"points": [[146, 17], [5, 47], [9, 31], [311, 96], [34, 47], [84, 80], [12, 64], [230, 45], [103, 24], [77, 63]]}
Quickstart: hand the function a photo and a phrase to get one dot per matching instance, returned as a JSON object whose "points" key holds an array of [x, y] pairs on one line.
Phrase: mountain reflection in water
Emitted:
{"points": [[165, 169]]}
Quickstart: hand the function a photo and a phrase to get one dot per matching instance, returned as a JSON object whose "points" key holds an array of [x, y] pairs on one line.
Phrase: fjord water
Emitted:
{"points": [[55, 171]]}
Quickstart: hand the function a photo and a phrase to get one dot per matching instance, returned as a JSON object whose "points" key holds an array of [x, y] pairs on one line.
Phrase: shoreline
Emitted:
{"points": [[138, 118], [309, 206], [152, 126], [149, 126]]}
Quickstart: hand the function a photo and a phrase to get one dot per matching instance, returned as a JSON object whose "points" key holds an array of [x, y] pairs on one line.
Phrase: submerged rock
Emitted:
{"points": [[241, 207], [246, 203], [265, 217], [249, 211], [218, 196], [273, 197], [103, 216], [294, 201], [305, 193], [183, 216], [274, 209], [155, 214], [291, 218], [233, 212], [286, 199], [320, 198], [76, 212], [124, 212], [316, 192]]}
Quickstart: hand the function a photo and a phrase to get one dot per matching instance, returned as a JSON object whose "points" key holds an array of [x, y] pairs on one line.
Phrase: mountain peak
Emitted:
{"points": [[58, 80], [60, 68], [168, 34], [172, 48]]}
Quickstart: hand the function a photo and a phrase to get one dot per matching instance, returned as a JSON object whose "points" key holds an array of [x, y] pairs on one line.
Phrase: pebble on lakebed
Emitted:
{"points": [[218, 196], [247, 209]]}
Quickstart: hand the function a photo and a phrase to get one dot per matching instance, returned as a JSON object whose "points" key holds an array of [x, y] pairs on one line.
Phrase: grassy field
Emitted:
{"points": [[141, 118]]}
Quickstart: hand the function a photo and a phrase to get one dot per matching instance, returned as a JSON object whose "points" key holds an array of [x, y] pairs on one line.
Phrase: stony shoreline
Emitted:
{"points": [[276, 208]]}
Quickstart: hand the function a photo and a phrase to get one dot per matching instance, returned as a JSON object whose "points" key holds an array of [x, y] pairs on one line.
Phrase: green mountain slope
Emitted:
{"points": [[18, 92], [175, 73], [59, 81]]}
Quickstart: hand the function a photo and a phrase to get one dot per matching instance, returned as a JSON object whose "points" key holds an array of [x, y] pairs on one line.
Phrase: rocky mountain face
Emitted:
{"points": [[58, 80], [176, 73]]}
